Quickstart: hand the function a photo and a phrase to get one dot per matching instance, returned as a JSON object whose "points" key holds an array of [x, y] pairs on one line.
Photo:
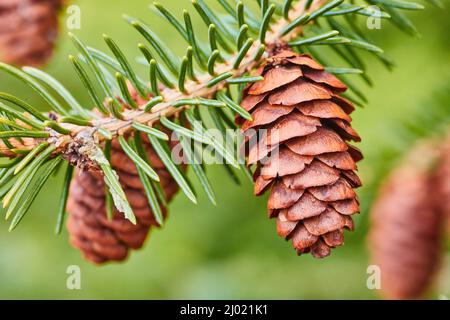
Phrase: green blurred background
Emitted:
{"points": [[232, 250]]}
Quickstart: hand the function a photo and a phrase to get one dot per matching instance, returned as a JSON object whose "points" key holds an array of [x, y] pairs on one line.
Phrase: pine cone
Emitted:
{"points": [[28, 30], [304, 157], [100, 239], [442, 182], [405, 231]]}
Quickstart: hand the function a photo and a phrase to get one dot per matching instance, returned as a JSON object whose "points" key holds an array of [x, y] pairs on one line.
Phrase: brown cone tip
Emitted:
{"points": [[405, 237], [303, 156], [28, 31]]}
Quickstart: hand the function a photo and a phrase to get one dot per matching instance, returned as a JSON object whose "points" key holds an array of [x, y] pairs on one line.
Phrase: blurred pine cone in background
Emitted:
{"points": [[442, 182], [304, 159], [28, 30], [405, 237]]}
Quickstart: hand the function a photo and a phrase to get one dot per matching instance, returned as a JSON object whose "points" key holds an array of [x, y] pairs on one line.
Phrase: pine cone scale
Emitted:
{"points": [[275, 78], [300, 91], [287, 163], [315, 174], [91, 184], [306, 207], [319, 142], [323, 109], [338, 160]]}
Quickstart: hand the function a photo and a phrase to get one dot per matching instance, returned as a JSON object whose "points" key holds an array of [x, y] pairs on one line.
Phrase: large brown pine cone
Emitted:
{"points": [[100, 239], [28, 30], [304, 158], [405, 232]]}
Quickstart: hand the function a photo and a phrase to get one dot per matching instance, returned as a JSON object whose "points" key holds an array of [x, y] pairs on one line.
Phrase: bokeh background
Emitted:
{"points": [[230, 251]]}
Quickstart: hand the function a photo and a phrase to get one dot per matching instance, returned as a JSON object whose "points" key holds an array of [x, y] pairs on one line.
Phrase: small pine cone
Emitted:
{"points": [[100, 239], [28, 30], [303, 157], [405, 240]]}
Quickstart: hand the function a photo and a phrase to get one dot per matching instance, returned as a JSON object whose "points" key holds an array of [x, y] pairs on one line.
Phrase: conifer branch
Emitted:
{"points": [[175, 85], [195, 89]]}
